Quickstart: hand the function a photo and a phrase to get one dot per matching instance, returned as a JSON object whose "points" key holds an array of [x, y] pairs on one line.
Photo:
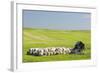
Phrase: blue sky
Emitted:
{"points": [[56, 20]]}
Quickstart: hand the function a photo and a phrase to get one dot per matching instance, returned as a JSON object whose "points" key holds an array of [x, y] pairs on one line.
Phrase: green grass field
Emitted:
{"points": [[37, 38]]}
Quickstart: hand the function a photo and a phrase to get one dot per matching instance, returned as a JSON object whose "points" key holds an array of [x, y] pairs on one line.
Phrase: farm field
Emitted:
{"points": [[38, 38]]}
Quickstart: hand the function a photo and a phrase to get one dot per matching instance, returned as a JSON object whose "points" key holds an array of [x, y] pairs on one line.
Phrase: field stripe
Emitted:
{"points": [[38, 37]]}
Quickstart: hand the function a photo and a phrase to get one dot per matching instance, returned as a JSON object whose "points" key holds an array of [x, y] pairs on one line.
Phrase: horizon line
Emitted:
{"points": [[54, 29]]}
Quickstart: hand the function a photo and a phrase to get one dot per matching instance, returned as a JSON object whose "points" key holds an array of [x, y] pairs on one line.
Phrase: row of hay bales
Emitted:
{"points": [[48, 51]]}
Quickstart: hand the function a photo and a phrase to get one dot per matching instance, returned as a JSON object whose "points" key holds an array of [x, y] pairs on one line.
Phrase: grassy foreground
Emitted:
{"points": [[33, 38]]}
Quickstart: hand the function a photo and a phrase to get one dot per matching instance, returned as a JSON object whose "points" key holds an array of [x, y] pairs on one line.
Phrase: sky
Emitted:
{"points": [[56, 20]]}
